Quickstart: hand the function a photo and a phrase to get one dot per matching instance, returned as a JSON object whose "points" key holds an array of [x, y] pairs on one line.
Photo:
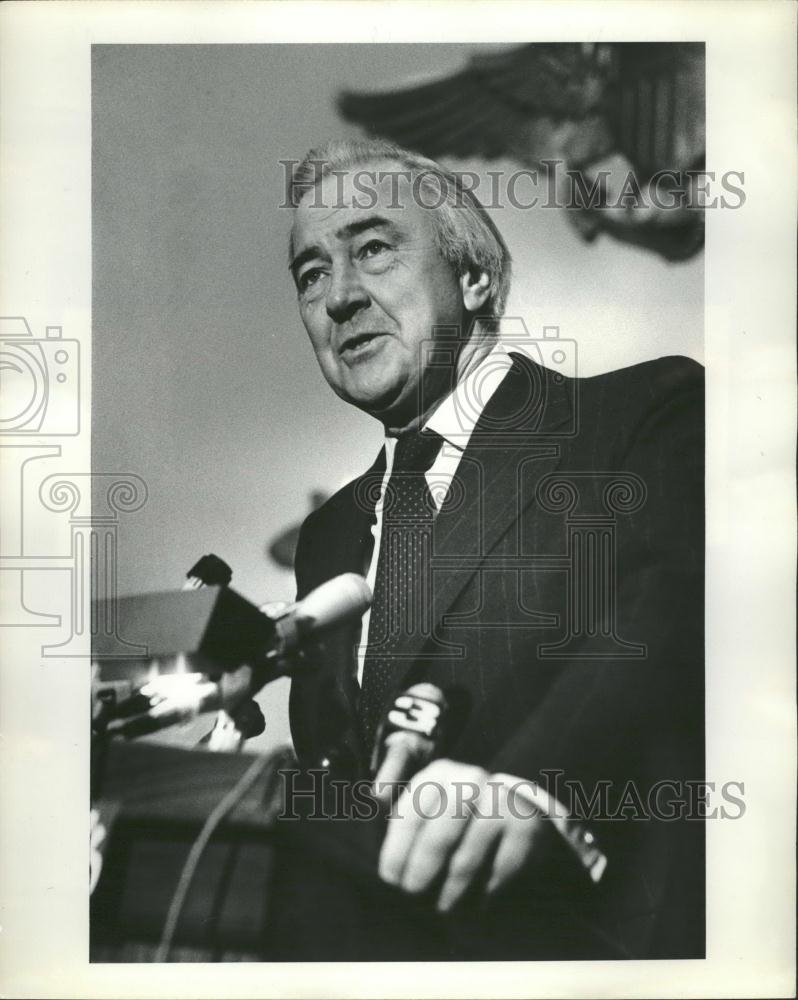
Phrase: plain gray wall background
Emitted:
{"points": [[203, 381]]}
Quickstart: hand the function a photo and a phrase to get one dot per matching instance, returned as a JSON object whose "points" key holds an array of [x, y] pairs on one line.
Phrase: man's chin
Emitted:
{"points": [[378, 401]]}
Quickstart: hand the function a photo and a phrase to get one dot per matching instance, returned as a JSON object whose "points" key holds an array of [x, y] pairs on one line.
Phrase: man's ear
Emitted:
{"points": [[475, 286]]}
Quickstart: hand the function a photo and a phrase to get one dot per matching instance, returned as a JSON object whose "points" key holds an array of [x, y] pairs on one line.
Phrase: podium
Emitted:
{"points": [[271, 884], [265, 889]]}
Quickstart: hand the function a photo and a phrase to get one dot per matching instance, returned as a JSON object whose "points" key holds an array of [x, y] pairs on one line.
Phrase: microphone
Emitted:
{"points": [[412, 733], [208, 571], [176, 697], [344, 598]]}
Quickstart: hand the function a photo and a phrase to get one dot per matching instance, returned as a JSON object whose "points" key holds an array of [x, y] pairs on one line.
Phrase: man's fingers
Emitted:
{"points": [[452, 820], [430, 852], [439, 837], [402, 829], [500, 840], [388, 779], [401, 762], [433, 814], [512, 854], [470, 857]]}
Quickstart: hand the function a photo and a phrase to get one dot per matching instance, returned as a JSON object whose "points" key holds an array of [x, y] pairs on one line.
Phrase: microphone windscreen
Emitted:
{"points": [[421, 708], [337, 600], [411, 732], [402, 755], [344, 598], [211, 571], [249, 719]]}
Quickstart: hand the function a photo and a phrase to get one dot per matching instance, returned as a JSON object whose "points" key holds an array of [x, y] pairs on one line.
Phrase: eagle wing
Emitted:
{"points": [[494, 107], [639, 106]]}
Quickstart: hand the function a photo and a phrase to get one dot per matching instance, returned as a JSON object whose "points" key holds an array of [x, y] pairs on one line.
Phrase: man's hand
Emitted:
{"points": [[455, 823]]}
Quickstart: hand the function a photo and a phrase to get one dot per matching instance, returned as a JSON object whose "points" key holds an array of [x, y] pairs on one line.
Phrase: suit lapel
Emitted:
{"points": [[348, 538], [522, 423]]}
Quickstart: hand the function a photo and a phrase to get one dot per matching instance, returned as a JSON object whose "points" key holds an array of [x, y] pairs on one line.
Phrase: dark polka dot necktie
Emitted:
{"points": [[402, 604]]}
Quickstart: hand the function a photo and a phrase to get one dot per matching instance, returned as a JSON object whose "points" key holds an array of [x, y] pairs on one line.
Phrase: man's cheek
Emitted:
{"points": [[390, 281], [313, 313], [379, 266], [320, 339]]}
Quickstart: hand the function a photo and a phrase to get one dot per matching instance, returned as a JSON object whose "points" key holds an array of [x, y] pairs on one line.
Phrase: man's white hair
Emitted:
{"points": [[465, 234]]}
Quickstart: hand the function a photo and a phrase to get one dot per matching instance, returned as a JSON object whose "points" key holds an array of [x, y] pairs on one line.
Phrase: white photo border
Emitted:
{"points": [[45, 274]]}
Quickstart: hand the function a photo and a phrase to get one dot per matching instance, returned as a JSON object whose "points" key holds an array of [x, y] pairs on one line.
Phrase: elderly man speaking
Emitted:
{"points": [[534, 543]]}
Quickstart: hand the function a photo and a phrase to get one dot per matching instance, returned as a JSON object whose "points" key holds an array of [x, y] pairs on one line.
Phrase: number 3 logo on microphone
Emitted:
{"points": [[416, 714]]}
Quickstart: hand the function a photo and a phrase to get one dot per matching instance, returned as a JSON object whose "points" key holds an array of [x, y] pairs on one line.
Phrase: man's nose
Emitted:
{"points": [[345, 294]]}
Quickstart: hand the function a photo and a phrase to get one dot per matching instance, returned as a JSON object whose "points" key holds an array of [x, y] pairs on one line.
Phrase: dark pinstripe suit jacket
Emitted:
{"points": [[568, 628]]}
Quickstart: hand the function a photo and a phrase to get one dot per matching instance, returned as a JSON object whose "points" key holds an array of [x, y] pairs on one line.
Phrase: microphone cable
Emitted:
{"points": [[220, 812]]}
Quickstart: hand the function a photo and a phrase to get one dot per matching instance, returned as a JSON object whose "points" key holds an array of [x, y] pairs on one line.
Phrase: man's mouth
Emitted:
{"points": [[357, 343]]}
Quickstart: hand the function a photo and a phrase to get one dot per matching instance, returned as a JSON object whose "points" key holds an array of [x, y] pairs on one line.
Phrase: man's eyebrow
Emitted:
{"points": [[350, 229], [363, 225], [309, 253]]}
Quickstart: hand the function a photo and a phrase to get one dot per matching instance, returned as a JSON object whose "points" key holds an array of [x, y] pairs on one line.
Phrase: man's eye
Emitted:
{"points": [[309, 277], [372, 248]]}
